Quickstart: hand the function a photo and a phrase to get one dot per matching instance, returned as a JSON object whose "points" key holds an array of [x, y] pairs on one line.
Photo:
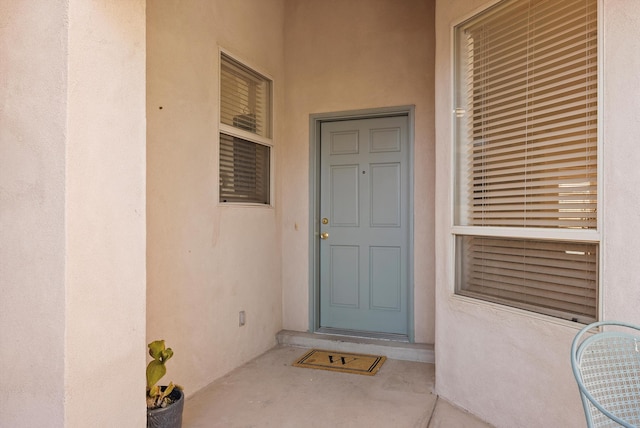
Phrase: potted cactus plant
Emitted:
{"points": [[164, 403]]}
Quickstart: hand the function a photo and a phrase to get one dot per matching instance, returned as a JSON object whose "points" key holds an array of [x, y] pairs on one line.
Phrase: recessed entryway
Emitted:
{"points": [[361, 264]]}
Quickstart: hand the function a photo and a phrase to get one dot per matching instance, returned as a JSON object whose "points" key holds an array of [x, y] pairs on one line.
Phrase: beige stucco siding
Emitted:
{"points": [[509, 367], [33, 108], [207, 262], [349, 56], [105, 212], [72, 213]]}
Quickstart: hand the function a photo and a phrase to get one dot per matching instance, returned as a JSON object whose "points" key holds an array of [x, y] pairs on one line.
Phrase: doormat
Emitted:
{"points": [[341, 362]]}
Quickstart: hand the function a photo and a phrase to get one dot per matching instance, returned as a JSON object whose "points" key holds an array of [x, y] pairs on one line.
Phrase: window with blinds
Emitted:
{"points": [[245, 133], [244, 171], [526, 132], [245, 98]]}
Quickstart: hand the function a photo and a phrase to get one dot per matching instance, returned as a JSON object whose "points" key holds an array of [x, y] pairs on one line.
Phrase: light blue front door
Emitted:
{"points": [[364, 227]]}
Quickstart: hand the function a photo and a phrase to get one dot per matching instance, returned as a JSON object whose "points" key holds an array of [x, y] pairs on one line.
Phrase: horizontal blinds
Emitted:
{"points": [[527, 154], [530, 88], [244, 171], [245, 98], [550, 277]]}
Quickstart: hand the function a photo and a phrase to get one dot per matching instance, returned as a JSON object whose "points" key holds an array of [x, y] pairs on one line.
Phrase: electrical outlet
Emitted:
{"points": [[241, 318]]}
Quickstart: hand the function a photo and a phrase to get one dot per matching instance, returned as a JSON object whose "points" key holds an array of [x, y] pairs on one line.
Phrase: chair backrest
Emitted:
{"points": [[606, 366]]}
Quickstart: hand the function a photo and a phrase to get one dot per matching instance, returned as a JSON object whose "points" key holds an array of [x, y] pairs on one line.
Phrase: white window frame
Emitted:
{"points": [[247, 135], [584, 236]]}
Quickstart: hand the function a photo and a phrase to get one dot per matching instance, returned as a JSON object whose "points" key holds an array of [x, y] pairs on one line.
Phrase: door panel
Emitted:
{"points": [[345, 279], [385, 195], [386, 290], [364, 199], [344, 143], [344, 196]]}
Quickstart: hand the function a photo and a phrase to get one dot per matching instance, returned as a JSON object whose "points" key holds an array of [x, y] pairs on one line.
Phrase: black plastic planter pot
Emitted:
{"points": [[170, 416]]}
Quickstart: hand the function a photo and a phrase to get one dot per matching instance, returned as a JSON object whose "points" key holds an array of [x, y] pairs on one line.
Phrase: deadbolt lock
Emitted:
{"points": [[325, 221]]}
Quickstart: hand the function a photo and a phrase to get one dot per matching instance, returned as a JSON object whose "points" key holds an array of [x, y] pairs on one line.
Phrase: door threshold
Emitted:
{"points": [[393, 349], [392, 337]]}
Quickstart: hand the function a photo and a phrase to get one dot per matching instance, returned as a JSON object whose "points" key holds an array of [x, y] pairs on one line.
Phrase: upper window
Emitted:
{"points": [[245, 133], [526, 156]]}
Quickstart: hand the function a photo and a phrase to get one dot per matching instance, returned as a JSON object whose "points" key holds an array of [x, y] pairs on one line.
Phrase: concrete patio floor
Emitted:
{"points": [[269, 392]]}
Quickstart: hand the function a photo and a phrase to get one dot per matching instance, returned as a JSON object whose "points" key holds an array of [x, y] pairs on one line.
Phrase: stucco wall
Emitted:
{"points": [[508, 367], [349, 55], [207, 262], [621, 285], [105, 214], [32, 249], [72, 212]]}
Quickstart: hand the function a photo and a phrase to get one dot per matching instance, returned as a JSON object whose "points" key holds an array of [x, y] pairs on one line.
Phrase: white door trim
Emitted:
{"points": [[315, 122]]}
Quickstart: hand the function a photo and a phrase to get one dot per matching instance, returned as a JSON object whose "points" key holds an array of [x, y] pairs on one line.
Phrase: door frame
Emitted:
{"points": [[315, 123]]}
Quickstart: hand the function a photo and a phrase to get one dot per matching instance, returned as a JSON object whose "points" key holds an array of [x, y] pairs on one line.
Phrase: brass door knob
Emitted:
{"points": [[324, 235]]}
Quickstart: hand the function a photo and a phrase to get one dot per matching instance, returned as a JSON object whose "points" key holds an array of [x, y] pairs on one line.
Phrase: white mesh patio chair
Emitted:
{"points": [[606, 366]]}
